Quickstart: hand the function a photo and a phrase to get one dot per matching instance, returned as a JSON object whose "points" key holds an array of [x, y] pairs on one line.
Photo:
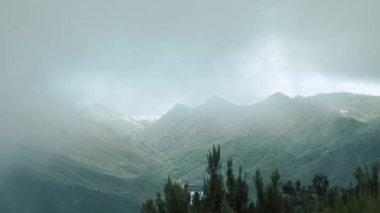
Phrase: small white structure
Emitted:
{"points": [[192, 189]]}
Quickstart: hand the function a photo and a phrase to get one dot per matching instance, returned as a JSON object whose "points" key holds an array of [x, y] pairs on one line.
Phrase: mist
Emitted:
{"points": [[78, 78], [143, 58]]}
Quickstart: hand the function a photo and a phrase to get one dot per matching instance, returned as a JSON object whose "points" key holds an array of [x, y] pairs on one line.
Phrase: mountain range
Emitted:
{"points": [[99, 160], [329, 133]]}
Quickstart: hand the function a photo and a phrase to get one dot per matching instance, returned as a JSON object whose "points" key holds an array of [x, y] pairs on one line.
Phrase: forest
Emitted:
{"points": [[225, 191]]}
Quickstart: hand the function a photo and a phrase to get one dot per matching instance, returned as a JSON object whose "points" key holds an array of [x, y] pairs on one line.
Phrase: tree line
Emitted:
{"points": [[231, 193]]}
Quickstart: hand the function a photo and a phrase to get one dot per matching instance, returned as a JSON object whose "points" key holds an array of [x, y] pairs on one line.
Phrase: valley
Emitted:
{"points": [[100, 157]]}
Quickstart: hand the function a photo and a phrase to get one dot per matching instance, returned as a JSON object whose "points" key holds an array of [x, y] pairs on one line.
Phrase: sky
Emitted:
{"points": [[143, 57]]}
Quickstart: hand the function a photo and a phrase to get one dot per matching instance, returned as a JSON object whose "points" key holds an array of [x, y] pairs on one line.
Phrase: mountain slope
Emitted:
{"points": [[297, 135], [76, 164], [360, 107], [97, 162]]}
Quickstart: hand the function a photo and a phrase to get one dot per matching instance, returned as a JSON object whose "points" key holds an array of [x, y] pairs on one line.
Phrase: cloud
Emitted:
{"points": [[142, 57]]}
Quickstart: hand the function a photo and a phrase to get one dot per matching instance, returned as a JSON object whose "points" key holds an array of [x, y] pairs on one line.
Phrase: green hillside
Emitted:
{"points": [[300, 136], [361, 107], [82, 163], [78, 166]]}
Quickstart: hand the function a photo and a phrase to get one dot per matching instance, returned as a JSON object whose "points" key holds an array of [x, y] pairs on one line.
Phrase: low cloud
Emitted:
{"points": [[143, 57]]}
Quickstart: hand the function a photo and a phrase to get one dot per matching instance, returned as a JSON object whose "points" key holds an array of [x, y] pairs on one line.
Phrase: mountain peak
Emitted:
{"points": [[178, 111], [179, 107], [216, 102], [278, 96]]}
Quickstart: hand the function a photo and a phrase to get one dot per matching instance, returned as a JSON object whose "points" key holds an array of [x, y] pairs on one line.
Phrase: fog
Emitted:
{"points": [[142, 57]]}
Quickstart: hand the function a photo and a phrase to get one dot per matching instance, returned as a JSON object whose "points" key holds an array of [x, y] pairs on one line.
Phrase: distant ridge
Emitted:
{"points": [[298, 134], [216, 99], [216, 103], [278, 108], [179, 107], [278, 96]]}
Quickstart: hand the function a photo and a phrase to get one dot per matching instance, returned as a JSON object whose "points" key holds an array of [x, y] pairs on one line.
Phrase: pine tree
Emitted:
{"points": [[160, 203], [231, 185], [320, 184], [360, 178], [149, 207], [274, 198], [374, 180], [367, 180], [316, 197], [237, 189], [213, 184], [260, 194], [241, 199], [177, 198], [269, 200]]}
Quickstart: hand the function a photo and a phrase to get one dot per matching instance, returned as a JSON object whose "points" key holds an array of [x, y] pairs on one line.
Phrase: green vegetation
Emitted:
{"points": [[90, 165], [84, 166], [272, 197], [298, 135]]}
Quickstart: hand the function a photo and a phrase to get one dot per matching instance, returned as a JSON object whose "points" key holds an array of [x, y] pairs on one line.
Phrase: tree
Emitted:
{"points": [[231, 185], [294, 197], [237, 189], [273, 195], [260, 194], [268, 199], [241, 199], [367, 180], [160, 203], [374, 179], [359, 175], [177, 198], [320, 184], [149, 207], [213, 184]]}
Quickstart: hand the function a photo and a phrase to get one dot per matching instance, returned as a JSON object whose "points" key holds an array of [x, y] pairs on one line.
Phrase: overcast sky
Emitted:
{"points": [[142, 57]]}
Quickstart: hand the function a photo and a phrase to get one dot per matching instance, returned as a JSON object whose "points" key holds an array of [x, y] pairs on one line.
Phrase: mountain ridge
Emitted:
{"points": [[304, 127], [90, 159]]}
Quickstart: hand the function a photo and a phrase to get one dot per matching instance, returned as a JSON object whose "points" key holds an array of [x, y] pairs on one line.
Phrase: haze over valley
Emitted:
{"points": [[102, 101], [96, 153]]}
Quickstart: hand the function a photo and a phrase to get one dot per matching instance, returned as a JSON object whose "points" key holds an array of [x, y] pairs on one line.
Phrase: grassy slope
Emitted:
{"points": [[92, 167], [360, 107], [78, 167], [25, 191], [299, 136]]}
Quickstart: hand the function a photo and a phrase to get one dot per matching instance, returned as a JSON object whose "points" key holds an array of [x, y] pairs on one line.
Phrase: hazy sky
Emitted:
{"points": [[142, 57]]}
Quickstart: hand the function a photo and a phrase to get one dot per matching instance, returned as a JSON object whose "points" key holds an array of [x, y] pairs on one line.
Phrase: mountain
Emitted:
{"points": [[216, 103], [360, 107], [99, 160], [119, 121], [77, 163], [182, 125], [297, 135], [278, 97]]}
